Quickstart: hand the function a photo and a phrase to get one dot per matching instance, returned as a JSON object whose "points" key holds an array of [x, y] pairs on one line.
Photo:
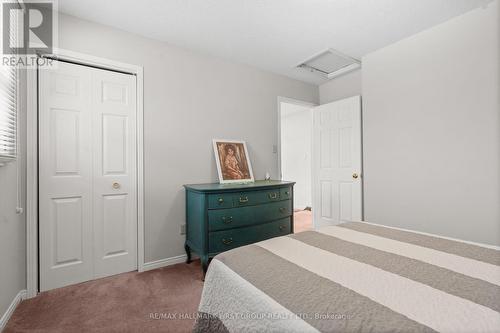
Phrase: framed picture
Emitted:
{"points": [[233, 162]]}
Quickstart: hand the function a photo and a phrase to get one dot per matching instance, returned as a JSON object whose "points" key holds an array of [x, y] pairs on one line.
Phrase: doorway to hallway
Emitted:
{"points": [[295, 119]]}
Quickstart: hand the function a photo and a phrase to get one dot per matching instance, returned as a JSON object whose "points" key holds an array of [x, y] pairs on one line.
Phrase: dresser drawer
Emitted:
{"points": [[286, 193], [276, 228], [223, 200], [222, 219], [220, 241], [256, 197]]}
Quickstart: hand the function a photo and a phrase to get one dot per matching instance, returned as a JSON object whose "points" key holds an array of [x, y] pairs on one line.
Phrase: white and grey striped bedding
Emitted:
{"points": [[354, 277]]}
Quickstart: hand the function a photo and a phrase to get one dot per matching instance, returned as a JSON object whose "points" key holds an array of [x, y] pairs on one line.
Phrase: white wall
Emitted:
{"points": [[296, 145], [432, 131], [12, 225], [188, 100], [345, 86]]}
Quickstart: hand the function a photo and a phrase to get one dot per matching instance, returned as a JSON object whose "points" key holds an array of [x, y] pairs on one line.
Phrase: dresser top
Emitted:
{"points": [[216, 187]]}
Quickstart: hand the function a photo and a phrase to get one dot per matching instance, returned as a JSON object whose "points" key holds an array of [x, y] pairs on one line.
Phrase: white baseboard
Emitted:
{"points": [[164, 262], [12, 307]]}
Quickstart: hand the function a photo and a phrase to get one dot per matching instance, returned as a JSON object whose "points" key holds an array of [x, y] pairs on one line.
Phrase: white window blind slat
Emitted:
{"points": [[8, 131], [6, 98], [7, 85], [7, 117]]}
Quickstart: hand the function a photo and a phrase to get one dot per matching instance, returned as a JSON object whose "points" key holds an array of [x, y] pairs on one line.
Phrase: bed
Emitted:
{"points": [[353, 277]]}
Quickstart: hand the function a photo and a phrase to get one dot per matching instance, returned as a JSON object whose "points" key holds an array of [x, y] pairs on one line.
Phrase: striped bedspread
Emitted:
{"points": [[354, 277]]}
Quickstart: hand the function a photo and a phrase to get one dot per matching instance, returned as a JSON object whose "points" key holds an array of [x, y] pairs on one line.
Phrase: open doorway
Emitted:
{"points": [[295, 156]]}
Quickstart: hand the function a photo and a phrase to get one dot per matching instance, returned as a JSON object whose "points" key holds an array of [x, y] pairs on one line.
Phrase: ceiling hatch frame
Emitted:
{"points": [[350, 64]]}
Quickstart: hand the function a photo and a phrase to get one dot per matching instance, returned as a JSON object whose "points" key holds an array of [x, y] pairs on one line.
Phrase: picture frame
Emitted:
{"points": [[233, 161]]}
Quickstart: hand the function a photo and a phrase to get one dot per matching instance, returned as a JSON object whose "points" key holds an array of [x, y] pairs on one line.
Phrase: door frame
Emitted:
{"points": [[32, 155], [289, 101]]}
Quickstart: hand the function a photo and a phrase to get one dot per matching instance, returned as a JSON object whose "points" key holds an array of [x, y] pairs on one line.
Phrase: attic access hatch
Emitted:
{"points": [[330, 64]]}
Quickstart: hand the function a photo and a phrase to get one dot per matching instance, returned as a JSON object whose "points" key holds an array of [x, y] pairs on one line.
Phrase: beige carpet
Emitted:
{"points": [[161, 300], [127, 302]]}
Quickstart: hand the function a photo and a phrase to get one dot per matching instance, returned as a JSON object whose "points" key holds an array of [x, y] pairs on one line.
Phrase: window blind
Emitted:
{"points": [[8, 108]]}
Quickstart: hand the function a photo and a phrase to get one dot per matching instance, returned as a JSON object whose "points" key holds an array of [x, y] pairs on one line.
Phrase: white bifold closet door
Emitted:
{"points": [[87, 174], [337, 184]]}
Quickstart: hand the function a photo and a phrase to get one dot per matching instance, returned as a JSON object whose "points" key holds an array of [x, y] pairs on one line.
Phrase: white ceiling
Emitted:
{"points": [[274, 35]]}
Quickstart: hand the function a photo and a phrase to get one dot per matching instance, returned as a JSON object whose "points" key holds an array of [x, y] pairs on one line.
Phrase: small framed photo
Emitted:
{"points": [[233, 162]]}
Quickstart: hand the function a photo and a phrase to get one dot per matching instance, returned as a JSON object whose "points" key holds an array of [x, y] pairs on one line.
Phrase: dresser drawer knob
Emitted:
{"points": [[273, 195], [282, 227], [227, 219], [283, 210], [227, 241], [243, 199], [287, 193], [221, 200]]}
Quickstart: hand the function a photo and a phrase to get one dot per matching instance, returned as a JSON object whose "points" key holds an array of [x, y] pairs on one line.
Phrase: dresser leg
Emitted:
{"points": [[204, 265], [188, 253]]}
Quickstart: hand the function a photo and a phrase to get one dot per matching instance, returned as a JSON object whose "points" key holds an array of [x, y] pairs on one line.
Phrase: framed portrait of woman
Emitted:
{"points": [[233, 162]]}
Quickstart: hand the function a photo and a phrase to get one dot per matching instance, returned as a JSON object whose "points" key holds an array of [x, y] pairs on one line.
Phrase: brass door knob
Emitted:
{"points": [[355, 175]]}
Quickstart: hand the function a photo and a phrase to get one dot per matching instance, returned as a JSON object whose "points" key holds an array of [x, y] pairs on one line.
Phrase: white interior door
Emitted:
{"points": [[65, 176], [337, 184], [115, 201], [87, 143]]}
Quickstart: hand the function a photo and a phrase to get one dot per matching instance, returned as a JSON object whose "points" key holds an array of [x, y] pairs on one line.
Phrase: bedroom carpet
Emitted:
{"points": [[151, 301]]}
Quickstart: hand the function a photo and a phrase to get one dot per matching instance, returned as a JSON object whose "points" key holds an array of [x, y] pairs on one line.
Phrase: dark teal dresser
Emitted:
{"points": [[220, 217]]}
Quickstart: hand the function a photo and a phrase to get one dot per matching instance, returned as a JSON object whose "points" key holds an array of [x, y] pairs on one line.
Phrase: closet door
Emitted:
{"points": [[65, 176], [87, 174], [114, 150]]}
